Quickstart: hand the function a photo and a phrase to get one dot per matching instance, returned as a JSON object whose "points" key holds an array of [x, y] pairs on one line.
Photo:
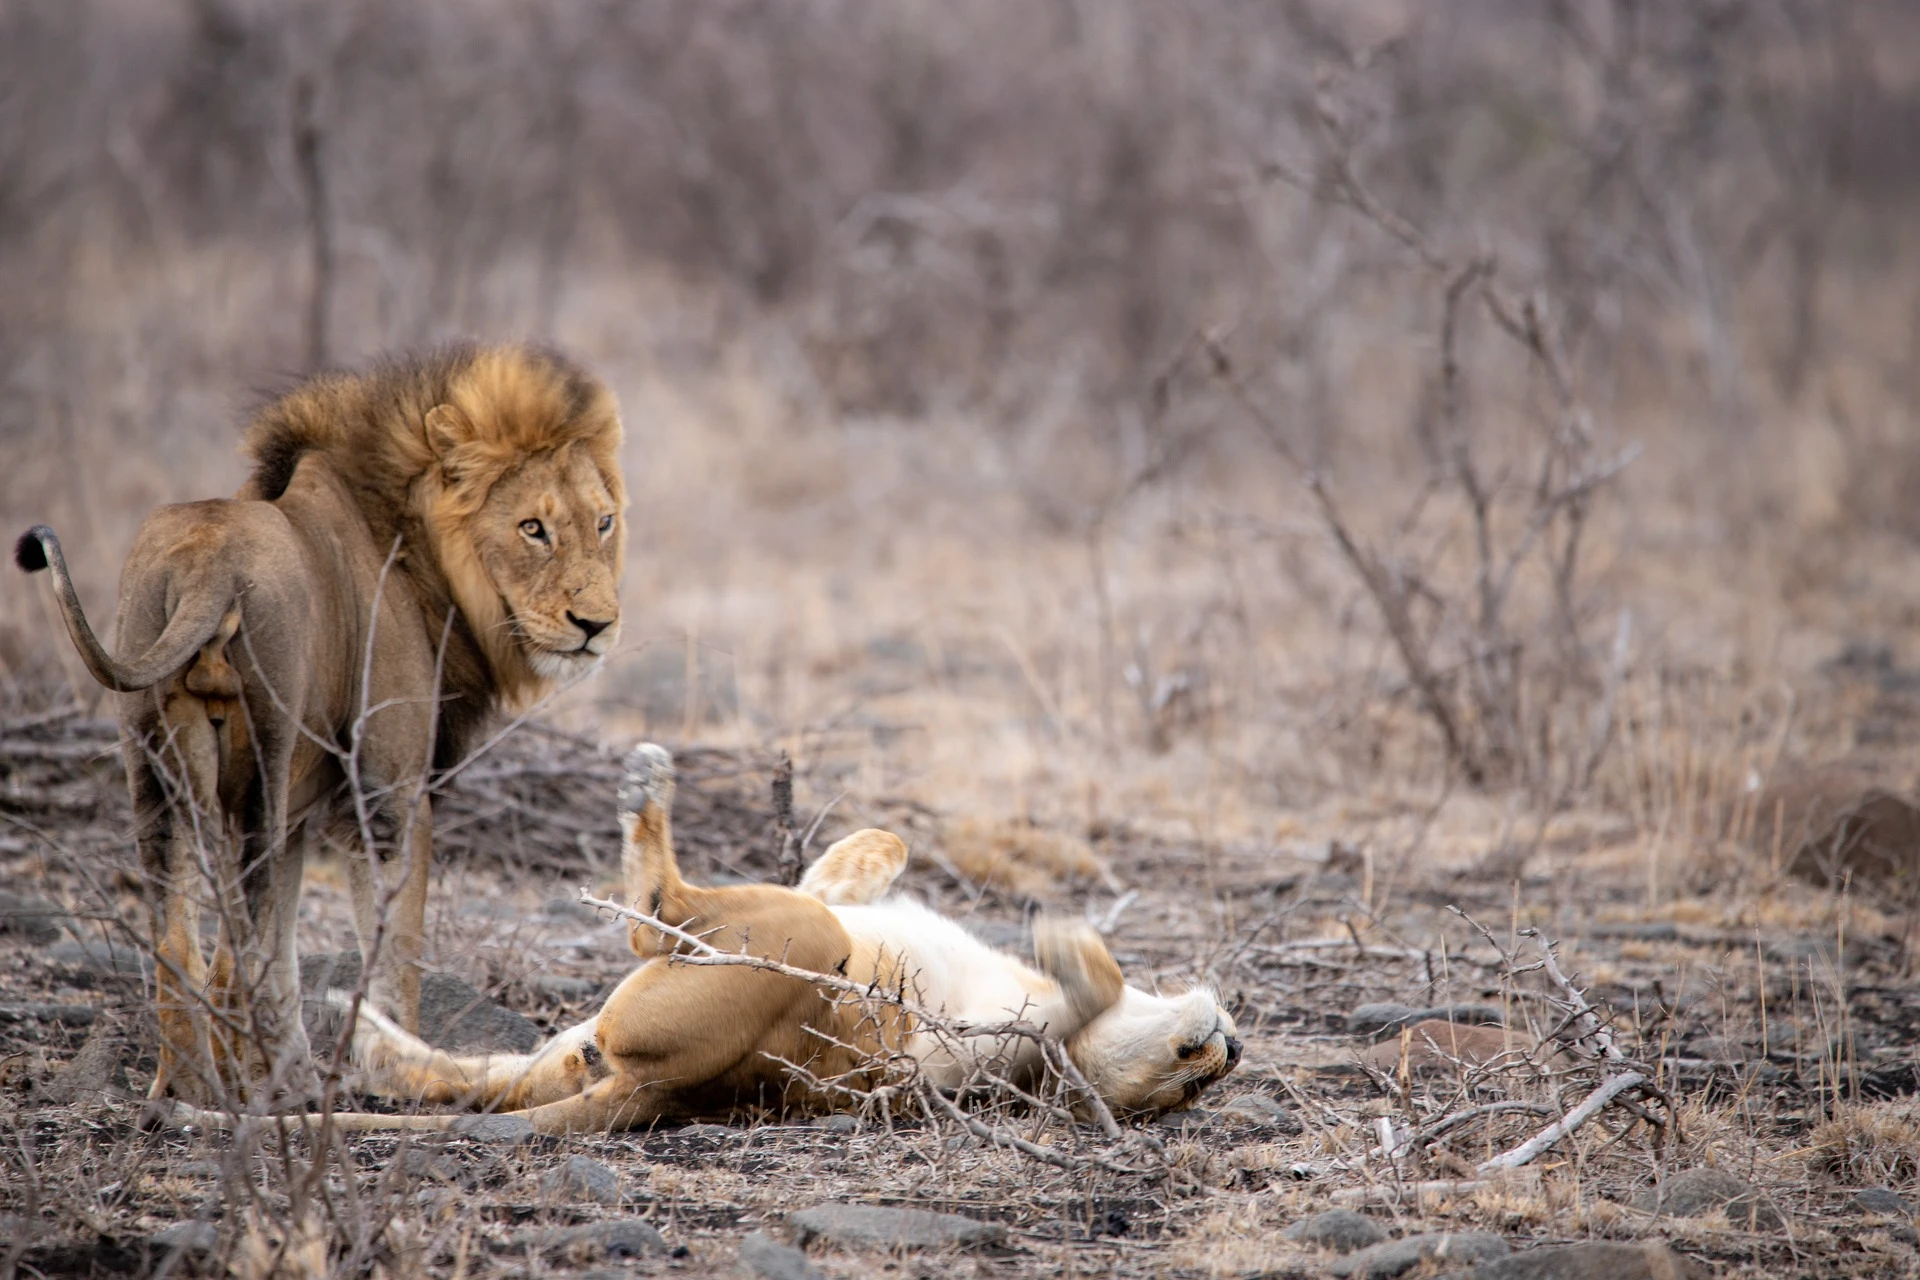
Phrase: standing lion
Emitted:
{"points": [[417, 547]]}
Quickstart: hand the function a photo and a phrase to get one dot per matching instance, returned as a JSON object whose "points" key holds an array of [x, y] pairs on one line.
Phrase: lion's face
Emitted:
{"points": [[1149, 1054], [548, 536]]}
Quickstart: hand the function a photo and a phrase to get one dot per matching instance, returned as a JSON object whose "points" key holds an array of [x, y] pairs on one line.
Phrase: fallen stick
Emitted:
{"points": [[1595, 1103]]}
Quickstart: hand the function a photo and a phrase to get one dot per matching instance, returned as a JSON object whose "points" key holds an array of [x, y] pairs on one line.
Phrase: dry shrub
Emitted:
{"points": [[1020, 859], [1873, 1145]]}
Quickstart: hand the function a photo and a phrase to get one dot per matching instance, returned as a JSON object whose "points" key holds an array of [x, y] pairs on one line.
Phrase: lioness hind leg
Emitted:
{"points": [[857, 868]]}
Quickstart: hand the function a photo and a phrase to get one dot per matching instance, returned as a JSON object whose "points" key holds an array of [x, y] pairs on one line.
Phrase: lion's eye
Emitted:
{"points": [[606, 525], [534, 529]]}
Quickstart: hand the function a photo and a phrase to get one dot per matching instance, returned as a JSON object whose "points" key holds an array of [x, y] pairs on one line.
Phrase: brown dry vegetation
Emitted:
{"points": [[1001, 381]]}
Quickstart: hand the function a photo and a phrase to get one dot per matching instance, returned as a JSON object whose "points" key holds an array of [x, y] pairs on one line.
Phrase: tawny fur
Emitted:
{"points": [[248, 647]]}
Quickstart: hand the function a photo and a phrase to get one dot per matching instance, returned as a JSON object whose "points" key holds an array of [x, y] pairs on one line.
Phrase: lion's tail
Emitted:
{"points": [[196, 622]]}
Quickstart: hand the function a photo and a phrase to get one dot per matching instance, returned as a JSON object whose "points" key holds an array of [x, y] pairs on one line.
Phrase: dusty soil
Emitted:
{"points": [[1777, 1021]]}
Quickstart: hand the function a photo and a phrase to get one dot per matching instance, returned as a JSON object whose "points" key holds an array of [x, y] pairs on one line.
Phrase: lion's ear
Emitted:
{"points": [[447, 429]]}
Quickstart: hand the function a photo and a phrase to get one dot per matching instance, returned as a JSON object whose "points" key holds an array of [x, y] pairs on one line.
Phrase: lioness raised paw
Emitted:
{"points": [[1076, 956], [649, 780]]}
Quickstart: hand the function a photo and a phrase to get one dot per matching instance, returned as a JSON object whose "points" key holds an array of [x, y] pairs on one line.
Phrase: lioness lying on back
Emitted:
{"points": [[1143, 1053]]}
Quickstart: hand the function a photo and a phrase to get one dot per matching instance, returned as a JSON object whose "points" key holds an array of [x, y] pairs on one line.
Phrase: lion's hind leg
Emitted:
{"points": [[856, 869]]}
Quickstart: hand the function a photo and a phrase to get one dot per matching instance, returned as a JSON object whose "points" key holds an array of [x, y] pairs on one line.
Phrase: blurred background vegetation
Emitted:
{"points": [[973, 355]]}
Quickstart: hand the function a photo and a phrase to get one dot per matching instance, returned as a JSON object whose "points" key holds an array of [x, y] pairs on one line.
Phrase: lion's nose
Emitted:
{"points": [[590, 626], [1233, 1053]]}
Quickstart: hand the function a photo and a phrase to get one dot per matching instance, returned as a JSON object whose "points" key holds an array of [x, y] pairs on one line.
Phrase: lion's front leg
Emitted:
{"points": [[389, 874]]}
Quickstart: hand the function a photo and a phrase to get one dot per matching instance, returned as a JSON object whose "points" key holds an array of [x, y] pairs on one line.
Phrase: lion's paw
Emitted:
{"points": [[649, 779], [1076, 956]]}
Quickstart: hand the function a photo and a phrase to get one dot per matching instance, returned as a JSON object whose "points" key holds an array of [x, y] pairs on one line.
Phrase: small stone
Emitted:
{"points": [[1880, 1200], [32, 920], [1590, 1260], [505, 1131], [1341, 1230], [893, 1228], [187, 1237], [582, 1179], [768, 1259], [1258, 1110], [1694, 1192], [430, 1162], [615, 1238], [96, 1071], [1394, 1257], [838, 1123], [569, 911]]}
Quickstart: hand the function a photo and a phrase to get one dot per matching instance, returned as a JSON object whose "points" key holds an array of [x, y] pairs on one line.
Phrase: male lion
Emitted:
{"points": [[417, 546], [1143, 1053]]}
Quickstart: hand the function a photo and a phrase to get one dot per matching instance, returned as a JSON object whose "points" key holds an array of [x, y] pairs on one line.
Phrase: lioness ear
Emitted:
{"points": [[447, 430]]}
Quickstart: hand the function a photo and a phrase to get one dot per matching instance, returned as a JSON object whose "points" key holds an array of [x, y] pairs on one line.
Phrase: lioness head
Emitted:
{"points": [[1149, 1054], [526, 505]]}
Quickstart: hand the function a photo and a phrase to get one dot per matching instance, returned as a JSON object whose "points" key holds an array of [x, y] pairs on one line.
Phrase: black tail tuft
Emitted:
{"points": [[30, 553]]}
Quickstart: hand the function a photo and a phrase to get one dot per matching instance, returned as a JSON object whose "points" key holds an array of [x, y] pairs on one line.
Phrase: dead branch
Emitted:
{"points": [[1595, 1103]]}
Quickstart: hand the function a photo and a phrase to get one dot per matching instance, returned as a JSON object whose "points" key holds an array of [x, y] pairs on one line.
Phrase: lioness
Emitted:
{"points": [[416, 546], [676, 1041], [1144, 1053]]}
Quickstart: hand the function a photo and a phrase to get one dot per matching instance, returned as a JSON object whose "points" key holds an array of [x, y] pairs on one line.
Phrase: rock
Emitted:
{"points": [[615, 1238], [768, 1259], [892, 1228], [1192, 1119], [1433, 1045], [453, 1015], [117, 958], [712, 1134], [1880, 1200], [569, 911], [35, 921], [838, 1123], [1258, 1110], [1341, 1230], [1693, 1192], [95, 1072], [582, 1179], [1590, 1260], [1383, 1019], [186, 1237], [430, 1162], [1395, 1257], [504, 1131]]}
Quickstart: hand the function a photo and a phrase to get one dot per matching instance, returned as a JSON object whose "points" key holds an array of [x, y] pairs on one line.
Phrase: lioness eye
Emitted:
{"points": [[606, 524], [534, 529]]}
